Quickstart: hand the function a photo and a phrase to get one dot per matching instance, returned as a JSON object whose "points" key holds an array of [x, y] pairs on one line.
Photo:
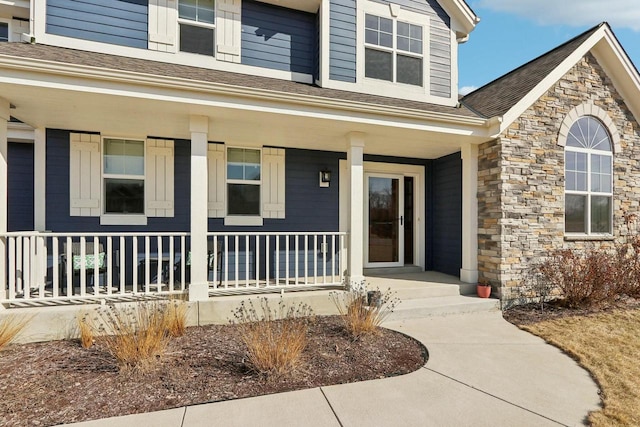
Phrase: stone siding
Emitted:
{"points": [[521, 178]]}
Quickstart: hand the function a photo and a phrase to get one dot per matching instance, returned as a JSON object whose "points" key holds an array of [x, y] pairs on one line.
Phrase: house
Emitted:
{"points": [[151, 147]]}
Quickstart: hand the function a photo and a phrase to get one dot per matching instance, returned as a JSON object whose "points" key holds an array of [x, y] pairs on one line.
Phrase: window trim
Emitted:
{"points": [[395, 51], [371, 85], [589, 193], [193, 23], [121, 218], [242, 220]]}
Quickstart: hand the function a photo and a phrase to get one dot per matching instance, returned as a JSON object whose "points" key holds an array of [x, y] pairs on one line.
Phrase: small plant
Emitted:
{"points": [[484, 282], [176, 317], [10, 327], [362, 313], [275, 338], [86, 329], [136, 336]]}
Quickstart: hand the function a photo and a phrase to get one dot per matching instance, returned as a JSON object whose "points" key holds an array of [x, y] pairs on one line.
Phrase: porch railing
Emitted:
{"points": [[40, 266], [246, 261]]}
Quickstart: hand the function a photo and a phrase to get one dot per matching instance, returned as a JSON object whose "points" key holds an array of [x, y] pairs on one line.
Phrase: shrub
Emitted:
{"points": [[585, 279], [10, 327], [275, 338], [136, 336], [86, 329], [360, 316]]}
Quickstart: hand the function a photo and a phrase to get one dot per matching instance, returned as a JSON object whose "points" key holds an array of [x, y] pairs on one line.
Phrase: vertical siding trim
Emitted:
{"points": [[159, 179], [84, 174], [228, 30], [163, 25], [216, 180], [273, 183]]}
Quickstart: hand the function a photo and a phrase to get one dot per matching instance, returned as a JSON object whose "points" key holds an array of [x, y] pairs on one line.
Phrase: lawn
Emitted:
{"points": [[608, 345]]}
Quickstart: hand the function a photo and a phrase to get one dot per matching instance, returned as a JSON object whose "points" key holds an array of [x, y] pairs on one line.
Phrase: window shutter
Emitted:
{"points": [[216, 168], [163, 25], [159, 178], [84, 174], [273, 183], [228, 30]]}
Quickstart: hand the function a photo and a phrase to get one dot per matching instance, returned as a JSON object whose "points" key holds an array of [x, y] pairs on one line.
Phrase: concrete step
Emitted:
{"points": [[423, 291], [438, 306], [392, 271]]}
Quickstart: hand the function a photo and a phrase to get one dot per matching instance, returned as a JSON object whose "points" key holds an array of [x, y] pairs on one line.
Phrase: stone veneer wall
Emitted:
{"points": [[521, 178]]}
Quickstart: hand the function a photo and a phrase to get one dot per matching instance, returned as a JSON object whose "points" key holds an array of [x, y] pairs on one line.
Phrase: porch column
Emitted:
{"points": [[4, 118], [355, 162], [199, 287], [39, 178], [469, 270]]}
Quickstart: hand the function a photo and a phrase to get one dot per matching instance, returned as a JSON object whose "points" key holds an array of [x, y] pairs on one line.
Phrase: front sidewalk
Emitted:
{"points": [[482, 371]]}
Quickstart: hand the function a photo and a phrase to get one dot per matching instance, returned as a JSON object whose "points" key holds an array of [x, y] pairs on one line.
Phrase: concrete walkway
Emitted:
{"points": [[482, 371]]}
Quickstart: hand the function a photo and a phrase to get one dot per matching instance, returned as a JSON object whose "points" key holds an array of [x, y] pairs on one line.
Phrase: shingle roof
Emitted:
{"points": [[114, 62], [499, 96]]}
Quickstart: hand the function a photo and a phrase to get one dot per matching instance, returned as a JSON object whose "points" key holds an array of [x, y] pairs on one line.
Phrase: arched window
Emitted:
{"points": [[589, 178]]}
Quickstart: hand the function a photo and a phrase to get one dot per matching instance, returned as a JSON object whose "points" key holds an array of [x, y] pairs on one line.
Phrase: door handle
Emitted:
{"points": [[401, 219]]}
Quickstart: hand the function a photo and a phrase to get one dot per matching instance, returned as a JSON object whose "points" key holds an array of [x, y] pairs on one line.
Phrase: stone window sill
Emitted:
{"points": [[589, 238]]}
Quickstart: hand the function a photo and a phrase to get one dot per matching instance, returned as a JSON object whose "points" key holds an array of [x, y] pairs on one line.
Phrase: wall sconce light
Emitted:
{"points": [[325, 178]]}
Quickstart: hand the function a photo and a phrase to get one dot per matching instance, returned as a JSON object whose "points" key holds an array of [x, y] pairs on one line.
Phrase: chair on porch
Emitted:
{"points": [[90, 261], [210, 262]]}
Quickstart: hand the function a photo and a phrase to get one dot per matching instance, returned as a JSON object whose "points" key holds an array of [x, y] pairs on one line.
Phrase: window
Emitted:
{"points": [[243, 182], [589, 178], [4, 32], [393, 50], [197, 26], [123, 175]]}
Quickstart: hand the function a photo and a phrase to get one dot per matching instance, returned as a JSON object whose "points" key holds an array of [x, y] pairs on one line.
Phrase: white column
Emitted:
{"points": [[4, 118], [199, 287], [355, 162], [469, 270], [39, 179]]}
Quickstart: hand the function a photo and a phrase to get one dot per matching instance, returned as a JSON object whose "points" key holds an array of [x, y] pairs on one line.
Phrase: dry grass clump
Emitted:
{"points": [[275, 338], [362, 313], [176, 317], [136, 335], [608, 345], [10, 327], [86, 329]]}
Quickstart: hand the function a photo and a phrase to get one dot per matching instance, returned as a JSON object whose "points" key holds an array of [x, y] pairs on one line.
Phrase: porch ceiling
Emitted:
{"points": [[117, 109]]}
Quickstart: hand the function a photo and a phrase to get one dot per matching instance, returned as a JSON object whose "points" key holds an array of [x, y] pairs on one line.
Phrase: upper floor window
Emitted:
{"points": [[589, 178], [123, 176], [243, 181], [197, 26], [4, 32], [393, 50]]}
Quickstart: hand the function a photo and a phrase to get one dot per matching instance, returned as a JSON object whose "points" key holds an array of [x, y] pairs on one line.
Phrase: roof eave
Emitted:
{"points": [[464, 19]]}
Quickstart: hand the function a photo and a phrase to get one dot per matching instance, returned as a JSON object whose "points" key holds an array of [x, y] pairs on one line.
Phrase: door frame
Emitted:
{"points": [[418, 173], [400, 178]]}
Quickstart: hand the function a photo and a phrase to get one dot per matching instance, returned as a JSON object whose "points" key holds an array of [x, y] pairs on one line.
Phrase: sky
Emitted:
{"points": [[513, 32]]}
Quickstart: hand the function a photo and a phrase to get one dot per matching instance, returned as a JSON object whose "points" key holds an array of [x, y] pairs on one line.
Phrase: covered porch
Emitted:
{"points": [[309, 234]]}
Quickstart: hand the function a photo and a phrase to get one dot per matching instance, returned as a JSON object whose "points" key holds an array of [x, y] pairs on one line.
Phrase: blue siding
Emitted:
{"points": [[57, 192], [121, 22], [20, 186], [444, 215], [278, 38], [342, 40]]}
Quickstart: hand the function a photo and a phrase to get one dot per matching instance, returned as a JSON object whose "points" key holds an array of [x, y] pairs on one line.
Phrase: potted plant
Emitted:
{"points": [[483, 288]]}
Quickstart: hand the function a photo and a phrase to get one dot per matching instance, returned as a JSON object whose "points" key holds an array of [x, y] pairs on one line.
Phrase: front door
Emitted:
{"points": [[384, 220]]}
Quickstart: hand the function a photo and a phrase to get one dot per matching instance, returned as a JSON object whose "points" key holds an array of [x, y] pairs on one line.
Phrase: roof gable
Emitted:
{"points": [[510, 95]]}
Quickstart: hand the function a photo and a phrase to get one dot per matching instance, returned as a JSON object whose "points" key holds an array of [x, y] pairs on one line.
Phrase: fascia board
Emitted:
{"points": [[460, 13], [517, 110], [129, 79]]}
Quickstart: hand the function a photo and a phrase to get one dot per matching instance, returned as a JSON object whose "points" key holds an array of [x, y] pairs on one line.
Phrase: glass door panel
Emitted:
{"points": [[385, 221]]}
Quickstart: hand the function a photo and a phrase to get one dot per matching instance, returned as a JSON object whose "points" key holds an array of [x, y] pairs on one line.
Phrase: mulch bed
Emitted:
{"points": [[60, 382], [528, 314]]}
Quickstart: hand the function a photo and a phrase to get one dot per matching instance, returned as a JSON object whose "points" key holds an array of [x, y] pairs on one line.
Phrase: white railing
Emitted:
{"points": [[41, 266], [38, 266], [250, 261]]}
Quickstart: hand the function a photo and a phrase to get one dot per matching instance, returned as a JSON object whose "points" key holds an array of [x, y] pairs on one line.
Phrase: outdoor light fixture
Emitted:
{"points": [[325, 178]]}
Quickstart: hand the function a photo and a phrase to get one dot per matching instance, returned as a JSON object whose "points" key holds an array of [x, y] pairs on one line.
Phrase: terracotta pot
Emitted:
{"points": [[483, 291]]}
